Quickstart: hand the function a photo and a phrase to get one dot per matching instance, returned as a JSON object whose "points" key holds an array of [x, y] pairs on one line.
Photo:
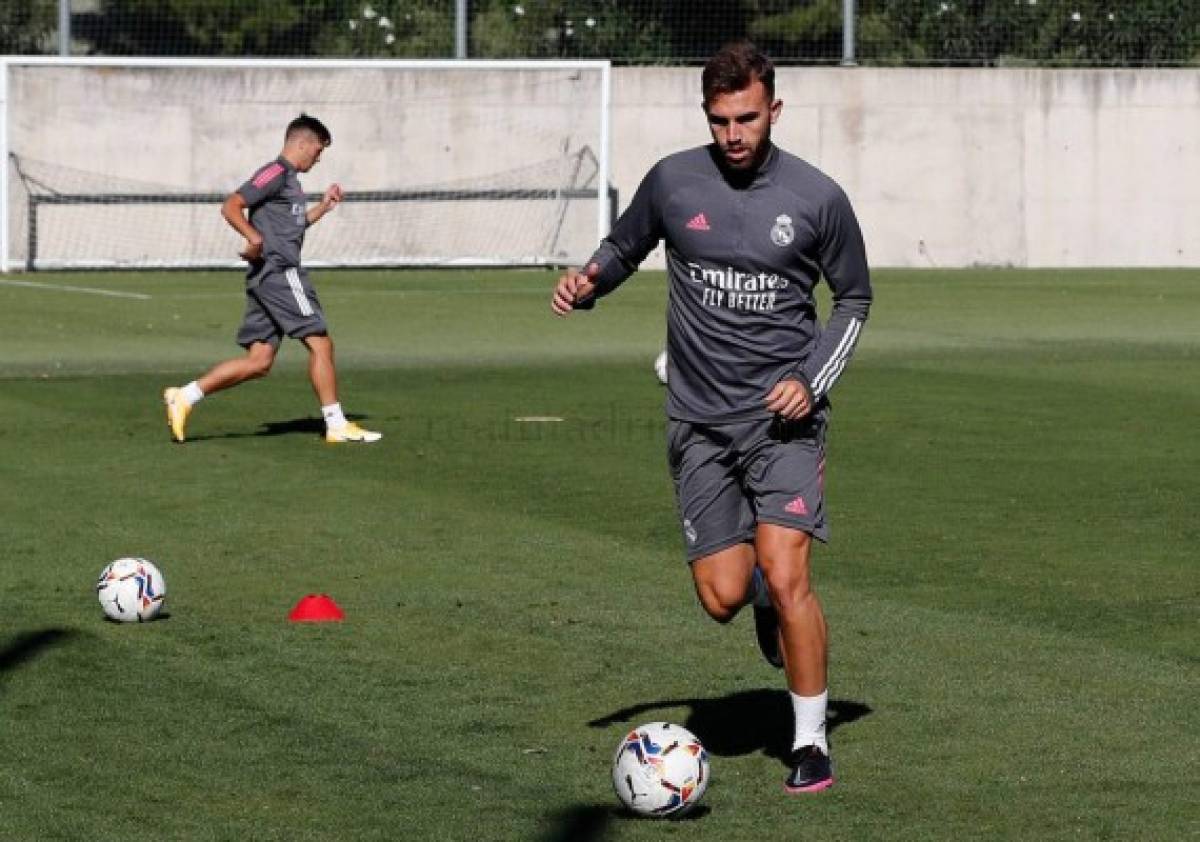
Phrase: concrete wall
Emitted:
{"points": [[84, 129], [950, 167], [945, 167]]}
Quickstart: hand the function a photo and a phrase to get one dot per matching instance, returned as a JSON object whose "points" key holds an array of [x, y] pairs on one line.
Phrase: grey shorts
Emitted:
{"points": [[283, 303], [731, 477]]}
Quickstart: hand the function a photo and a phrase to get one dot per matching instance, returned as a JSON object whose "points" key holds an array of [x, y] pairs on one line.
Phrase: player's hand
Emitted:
{"points": [[573, 287], [252, 250], [333, 195], [790, 399]]}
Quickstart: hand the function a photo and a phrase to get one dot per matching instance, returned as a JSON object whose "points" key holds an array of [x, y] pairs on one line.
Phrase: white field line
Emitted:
{"points": [[112, 293]]}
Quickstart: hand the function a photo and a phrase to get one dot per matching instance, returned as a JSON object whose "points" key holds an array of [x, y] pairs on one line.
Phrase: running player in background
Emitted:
{"points": [[279, 298], [749, 232]]}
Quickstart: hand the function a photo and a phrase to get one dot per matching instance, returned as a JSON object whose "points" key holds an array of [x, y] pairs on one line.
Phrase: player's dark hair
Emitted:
{"points": [[308, 123], [734, 68]]}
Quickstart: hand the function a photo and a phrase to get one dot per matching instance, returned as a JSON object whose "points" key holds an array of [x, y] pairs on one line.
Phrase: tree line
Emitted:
{"points": [[943, 32]]}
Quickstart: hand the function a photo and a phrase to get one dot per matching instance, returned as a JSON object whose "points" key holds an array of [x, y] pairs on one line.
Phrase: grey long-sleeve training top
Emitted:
{"points": [[277, 209], [744, 253]]}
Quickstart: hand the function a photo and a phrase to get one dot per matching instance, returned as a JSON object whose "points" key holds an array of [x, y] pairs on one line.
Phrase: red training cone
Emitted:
{"points": [[316, 608]]}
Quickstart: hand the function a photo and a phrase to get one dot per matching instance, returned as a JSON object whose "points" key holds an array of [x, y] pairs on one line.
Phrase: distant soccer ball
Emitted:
{"points": [[131, 590], [660, 367], [660, 770]]}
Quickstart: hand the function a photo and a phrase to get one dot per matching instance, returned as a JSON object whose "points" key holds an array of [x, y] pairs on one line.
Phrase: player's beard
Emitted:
{"points": [[740, 159], [748, 158]]}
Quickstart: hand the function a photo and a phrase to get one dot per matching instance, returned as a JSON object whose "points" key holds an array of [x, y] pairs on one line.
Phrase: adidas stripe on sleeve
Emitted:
{"points": [[264, 184], [842, 257]]}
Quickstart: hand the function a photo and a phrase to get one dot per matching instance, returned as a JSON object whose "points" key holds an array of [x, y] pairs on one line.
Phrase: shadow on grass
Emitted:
{"points": [[740, 723], [26, 647], [296, 426], [160, 617], [585, 823], [590, 822]]}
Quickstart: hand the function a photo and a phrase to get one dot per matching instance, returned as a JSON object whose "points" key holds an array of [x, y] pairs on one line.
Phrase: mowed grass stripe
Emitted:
{"points": [[472, 324]]}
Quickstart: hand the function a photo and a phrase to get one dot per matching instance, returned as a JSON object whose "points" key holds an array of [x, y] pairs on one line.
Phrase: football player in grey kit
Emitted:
{"points": [[749, 231], [279, 298]]}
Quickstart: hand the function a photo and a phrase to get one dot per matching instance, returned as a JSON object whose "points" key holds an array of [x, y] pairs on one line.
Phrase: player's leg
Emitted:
{"points": [[255, 363], [784, 555], [724, 581], [323, 375], [299, 311], [259, 334], [786, 477], [715, 516], [321, 371], [730, 579]]}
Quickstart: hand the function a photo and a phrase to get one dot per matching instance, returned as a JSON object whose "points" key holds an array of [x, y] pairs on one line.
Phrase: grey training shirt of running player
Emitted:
{"points": [[277, 209], [744, 253]]}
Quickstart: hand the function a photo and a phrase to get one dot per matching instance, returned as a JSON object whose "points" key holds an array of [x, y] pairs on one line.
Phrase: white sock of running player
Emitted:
{"points": [[334, 419], [192, 393], [810, 721], [760, 594]]}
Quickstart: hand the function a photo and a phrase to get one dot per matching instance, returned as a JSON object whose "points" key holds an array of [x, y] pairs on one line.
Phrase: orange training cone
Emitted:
{"points": [[316, 608]]}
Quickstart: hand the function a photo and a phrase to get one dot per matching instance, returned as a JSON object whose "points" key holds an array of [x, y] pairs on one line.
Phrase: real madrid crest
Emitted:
{"points": [[782, 233]]}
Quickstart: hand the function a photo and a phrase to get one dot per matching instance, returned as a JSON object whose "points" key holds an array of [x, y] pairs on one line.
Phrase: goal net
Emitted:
{"points": [[125, 163]]}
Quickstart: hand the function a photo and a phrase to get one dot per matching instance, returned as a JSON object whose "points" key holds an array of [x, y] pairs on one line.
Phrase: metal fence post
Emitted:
{"points": [[64, 27], [848, 58], [460, 29]]}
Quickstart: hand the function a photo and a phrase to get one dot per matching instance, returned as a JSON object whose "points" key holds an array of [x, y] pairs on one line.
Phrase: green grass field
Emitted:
{"points": [[1012, 585]]}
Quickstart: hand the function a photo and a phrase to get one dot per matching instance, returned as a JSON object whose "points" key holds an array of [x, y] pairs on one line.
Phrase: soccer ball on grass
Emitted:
{"points": [[660, 770], [131, 590]]}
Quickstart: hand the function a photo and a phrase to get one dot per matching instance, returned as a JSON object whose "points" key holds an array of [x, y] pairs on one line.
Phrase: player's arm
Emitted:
{"points": [[264, 184], [843, 260], [635, 233], [329, 201], [234, 211]]}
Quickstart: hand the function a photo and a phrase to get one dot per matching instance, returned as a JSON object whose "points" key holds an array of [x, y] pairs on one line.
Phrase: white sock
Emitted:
{"points": [[810, 721], [334, 419], [760, 594], [192, 393]]}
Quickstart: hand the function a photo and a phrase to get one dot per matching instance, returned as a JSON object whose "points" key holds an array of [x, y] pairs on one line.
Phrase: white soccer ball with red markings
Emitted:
{"points": [[660, 770], [131, 590]]}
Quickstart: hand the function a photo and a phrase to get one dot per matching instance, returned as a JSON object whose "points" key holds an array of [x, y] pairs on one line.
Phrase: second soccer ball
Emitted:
{"points": [[131, 590]]}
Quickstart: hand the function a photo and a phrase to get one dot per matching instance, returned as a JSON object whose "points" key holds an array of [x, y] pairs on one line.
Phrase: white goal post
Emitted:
{"points": [[123, 162]]}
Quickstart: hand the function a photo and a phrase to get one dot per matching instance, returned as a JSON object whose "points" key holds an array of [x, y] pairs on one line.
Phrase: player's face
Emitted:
{"points": [[310, 149], [741, 122]]}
